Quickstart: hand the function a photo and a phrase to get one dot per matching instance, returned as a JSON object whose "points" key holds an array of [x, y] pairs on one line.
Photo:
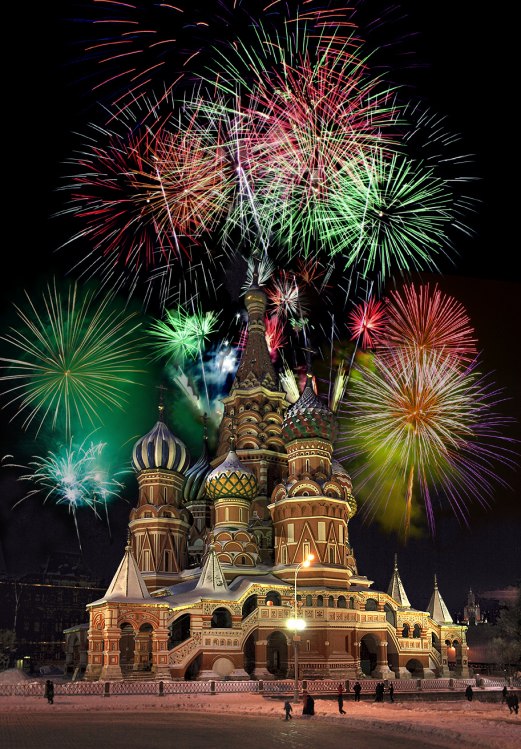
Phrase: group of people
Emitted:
{"points": [[380, 689]]}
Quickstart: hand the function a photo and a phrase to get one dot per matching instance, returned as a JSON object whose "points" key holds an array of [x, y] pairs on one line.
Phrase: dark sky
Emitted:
{"points": [[462, 68]]}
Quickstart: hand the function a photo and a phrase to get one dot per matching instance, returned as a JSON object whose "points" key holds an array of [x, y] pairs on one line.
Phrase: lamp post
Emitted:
{"points": [[297, 625]]}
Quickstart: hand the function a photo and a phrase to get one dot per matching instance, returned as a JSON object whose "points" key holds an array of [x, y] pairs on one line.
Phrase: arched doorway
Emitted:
{"points": [[126, 646], [368, 651], [249, 605], [274, 597], [221, 619], [143, 644], [179, 631], [277, 655], [193, 669], [415, 668], [249, 655]]}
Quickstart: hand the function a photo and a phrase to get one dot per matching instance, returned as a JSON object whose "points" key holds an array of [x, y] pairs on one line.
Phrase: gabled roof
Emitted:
{"points": [[396, 589], [127, 583], [437, 607], [212, 577]]}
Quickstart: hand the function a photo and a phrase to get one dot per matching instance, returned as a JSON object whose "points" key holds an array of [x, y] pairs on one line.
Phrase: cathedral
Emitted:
{"points": [[226, 556]]}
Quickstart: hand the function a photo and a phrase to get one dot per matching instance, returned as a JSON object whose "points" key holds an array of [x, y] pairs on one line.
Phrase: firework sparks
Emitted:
{"points": [[427, 428], [274, 335], [182, 335], [76, 477], [77, 353], [366, 322], [424, 320]]}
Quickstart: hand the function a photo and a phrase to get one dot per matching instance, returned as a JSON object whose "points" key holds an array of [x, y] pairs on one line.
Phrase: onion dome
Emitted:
{"points": [[160, 449], [231, 479], [195, 482], [309, 417]]}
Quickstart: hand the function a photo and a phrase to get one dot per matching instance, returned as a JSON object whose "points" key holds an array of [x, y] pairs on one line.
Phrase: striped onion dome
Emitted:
{"points": [[309, 417], [231, 479], [160, 449], [195, 482], [337, 469]]}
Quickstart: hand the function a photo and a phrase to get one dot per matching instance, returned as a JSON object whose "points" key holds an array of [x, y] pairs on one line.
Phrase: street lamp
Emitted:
{"points": [[296, 624]]}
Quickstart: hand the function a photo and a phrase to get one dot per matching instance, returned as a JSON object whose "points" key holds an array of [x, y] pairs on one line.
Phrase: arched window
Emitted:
{"points": [[274, 597], [309, 600], [331, 602], [221, 619], [351, 603], [416, 631], [405, 630], [320, 601], [341, 602], [371, 605]]}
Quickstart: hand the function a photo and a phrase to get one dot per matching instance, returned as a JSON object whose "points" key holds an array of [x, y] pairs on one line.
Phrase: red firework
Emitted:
{"points": [[426, 320], [274, 335], [367, 322]]}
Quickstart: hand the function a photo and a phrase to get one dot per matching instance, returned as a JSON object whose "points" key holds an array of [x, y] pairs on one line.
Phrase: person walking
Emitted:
{"points": [[469, 693], [288, 710], [391, 691], [309, 705], [513, 703], [49, 691], [340, 699], [357, 689], [504, 692]]}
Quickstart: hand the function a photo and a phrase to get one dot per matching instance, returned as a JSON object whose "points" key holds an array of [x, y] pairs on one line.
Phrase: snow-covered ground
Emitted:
{"points": [[483, 725]]}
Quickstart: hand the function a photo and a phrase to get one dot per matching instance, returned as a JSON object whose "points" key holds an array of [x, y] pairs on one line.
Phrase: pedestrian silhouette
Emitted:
{"points": [[49, 691], [309, 705], [469, 693], [288, 709], [340, 699], [504, 692], [513, 703], [357, 689], [391, 692]]}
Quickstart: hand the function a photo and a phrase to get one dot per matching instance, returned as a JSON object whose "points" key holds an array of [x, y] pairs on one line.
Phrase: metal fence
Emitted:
{"points": [[282, 687]]}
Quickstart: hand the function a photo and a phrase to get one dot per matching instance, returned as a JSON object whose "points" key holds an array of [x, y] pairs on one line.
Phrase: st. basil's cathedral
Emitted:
{"points": [[213, 570]]}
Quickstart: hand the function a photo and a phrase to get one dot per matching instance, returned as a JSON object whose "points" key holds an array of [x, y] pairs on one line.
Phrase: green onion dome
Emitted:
{"points": [[231, 479]]}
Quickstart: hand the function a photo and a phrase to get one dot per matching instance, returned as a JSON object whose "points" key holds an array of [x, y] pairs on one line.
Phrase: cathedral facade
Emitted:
{"points": [[215, 568]]}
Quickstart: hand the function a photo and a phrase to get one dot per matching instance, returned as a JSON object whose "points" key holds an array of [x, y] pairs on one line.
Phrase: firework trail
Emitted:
{"points": [[367, 321]]}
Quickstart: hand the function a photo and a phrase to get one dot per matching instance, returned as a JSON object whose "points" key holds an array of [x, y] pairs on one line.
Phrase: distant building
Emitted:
{"points": [[213, 573], [472, 611], [39, 606]]}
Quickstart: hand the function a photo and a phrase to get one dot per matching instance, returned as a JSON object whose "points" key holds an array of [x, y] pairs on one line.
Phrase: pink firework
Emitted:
{"points": [[426, 320], [284, 296], [367, 322], [147, 194], [274, 335]]}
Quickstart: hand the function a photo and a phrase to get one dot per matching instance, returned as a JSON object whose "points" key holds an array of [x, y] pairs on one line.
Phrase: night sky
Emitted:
{"points": [[461, 66]]}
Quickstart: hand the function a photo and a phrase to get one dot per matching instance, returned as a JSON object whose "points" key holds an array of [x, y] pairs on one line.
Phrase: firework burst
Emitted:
{"points": [[182, 335], [76, 477], [424, 428], [76, 354], [367, 322], [426, 320]]}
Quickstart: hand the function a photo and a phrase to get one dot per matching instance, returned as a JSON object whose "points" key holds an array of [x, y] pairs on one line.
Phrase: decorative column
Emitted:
{"points": [[160, 665], [111, 670], [261, 660], [94, 655], [382, 670]]}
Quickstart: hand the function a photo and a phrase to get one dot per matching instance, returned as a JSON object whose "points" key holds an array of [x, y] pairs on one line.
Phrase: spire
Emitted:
{"points": [[161, 404], [212, 577], [255, 367], [127, 583], [396, 589], [437, 607]]}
